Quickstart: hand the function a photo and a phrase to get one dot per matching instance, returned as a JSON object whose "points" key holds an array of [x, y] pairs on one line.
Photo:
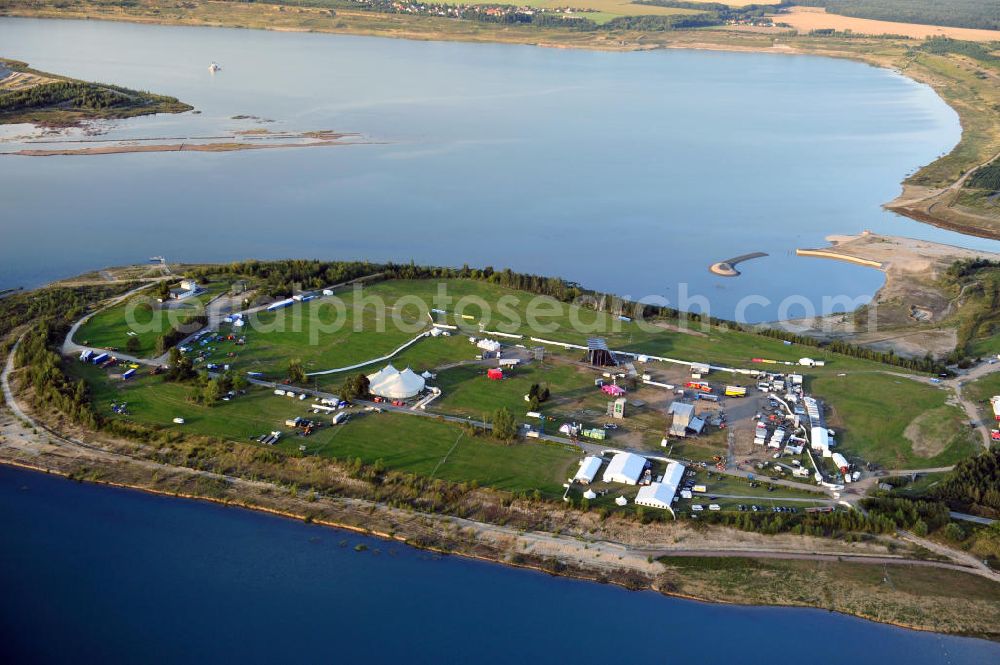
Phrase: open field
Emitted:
{"points": [[883, 419], [603, 10], [405, 443], [332, 333], [815, 18]]}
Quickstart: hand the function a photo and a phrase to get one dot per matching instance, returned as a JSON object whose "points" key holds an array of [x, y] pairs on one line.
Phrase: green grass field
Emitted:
{"points": [[442, 450], [415, 444], [355, 327], [145, 317], [871, 413], [467, 391]]}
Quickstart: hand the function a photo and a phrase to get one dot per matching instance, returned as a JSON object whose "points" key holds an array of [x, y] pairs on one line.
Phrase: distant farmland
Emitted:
{"points": [[805, 19]]}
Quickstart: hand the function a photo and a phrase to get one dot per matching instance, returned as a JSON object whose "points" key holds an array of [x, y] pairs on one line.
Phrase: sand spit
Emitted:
{"points": [[240, 141]]}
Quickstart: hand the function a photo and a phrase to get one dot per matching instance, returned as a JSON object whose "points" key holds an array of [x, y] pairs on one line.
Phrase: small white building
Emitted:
{"points": [[625, 468], [588, 470], [187, 288]]}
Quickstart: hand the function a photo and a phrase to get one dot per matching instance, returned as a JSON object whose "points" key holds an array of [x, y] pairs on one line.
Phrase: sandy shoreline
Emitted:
{"points": [[910, 297], [255, 141]]}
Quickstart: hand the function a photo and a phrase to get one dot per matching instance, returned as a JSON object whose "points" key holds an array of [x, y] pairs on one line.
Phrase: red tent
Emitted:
{"points": [[494, 374]]}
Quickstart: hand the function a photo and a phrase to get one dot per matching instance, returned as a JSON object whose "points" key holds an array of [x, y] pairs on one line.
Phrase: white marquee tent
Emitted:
{"points": [[625, 468], [393, 384], [661, 494], [588, 470]]}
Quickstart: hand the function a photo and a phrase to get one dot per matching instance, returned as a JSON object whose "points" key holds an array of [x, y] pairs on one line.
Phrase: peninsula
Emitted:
{"points": [[645, 456], [30, 96]]}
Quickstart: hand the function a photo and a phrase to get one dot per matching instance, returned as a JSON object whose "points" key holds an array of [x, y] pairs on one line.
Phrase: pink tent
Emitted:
{"points": [[614, 391]]}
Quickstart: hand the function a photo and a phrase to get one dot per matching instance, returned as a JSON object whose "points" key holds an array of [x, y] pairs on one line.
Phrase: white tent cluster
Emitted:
{"points": [[390, 383]]}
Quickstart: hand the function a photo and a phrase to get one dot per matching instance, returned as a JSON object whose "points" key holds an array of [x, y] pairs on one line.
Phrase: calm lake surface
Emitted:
{"points": [[628, 172], [96, 574]]}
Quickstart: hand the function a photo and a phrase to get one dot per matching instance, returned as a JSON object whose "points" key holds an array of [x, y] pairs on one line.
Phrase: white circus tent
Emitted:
{"points": [[393, 384]]}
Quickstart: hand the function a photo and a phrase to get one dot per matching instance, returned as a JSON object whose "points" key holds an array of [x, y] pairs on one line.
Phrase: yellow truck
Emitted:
{"points": [[736, 391]]}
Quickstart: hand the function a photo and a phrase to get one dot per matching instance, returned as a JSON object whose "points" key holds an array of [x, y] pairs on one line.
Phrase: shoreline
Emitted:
{"points": [[908, 311], [578, 574]]}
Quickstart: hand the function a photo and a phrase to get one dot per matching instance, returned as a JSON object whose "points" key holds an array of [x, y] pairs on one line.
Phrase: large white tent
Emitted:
{"points": [[588, 470], [393, 384], [625, 468], [661, 494], [382, 374]]}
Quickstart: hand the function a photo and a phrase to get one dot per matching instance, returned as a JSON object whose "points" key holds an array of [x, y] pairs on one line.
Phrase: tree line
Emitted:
{"points": [[77, 95], [973, 485]]}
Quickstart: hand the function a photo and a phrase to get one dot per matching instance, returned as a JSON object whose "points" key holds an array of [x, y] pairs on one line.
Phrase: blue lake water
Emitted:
{"points": [[97, 574], [628, 172]]}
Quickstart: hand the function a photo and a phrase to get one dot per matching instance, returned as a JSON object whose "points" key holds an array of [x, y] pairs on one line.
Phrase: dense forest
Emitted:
{"points": [[974, 485], [57, 304], [986, 177], [983, 14]]}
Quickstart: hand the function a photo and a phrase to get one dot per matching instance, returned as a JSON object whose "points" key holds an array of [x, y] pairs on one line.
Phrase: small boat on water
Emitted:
{"points": [[214, 67]]}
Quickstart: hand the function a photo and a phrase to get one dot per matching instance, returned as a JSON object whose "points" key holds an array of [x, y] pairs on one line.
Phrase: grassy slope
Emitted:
{"points": [[939, 599], [309, 332], [871, 413]]}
